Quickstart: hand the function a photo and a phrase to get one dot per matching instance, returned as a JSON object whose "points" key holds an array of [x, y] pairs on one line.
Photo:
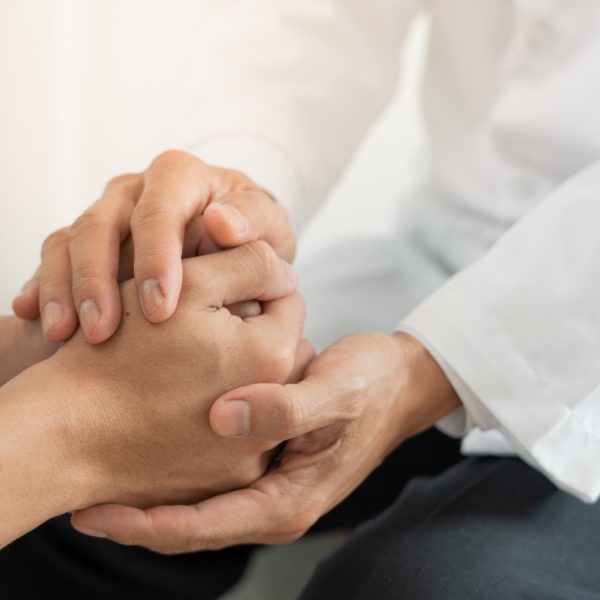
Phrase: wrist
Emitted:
{"points": [[41, 472], [426, 393]]}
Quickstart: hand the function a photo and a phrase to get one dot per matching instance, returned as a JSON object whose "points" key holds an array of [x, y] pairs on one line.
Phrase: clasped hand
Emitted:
{"points": [[341, 415]]}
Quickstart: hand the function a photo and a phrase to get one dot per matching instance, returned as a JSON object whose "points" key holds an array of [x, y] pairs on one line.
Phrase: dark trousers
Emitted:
{"points": [[460, 528], [488, 528], [57, 560]]}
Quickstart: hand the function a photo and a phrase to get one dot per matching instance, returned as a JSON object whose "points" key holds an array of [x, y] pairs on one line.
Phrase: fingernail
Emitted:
{"points": [[89, 315], [152, 295], [237, 220], [233, 419], [52, 313], [292, 276], [92, 532]]}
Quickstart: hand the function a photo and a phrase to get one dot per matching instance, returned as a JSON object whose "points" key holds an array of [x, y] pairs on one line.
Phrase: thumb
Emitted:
{"points": [[242, 216], [274, 412]]}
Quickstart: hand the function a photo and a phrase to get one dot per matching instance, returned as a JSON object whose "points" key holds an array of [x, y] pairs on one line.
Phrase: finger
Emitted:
{"points": [[245, 215], [95, 244], [252, 515], [176, 189], [305, 354], [282, 412], [282, 321], [252, 271], [59, 319], [26, 304], [196, 241], [272, 343], [245, 310]]}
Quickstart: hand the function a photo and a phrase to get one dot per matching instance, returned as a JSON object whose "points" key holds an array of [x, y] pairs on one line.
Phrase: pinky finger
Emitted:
{"points": [[26, 304]]}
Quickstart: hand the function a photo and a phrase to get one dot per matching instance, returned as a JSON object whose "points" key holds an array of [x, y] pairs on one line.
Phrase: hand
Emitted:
{"points": [[142, 226], [22, 345], [127, 421], [357, 401]]}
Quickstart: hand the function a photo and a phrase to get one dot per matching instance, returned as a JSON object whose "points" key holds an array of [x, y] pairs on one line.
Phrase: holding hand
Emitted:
{"points": [[356, 402], [127, 421], [141, 227]]}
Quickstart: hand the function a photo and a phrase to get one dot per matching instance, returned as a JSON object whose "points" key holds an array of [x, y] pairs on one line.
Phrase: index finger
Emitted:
{"points": [[265, 514], [175, 189], [244, 215], [250, 272]]}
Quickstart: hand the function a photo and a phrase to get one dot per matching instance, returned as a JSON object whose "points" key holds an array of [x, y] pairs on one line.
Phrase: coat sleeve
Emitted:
{"points": [[519, 335], [289, 87]]}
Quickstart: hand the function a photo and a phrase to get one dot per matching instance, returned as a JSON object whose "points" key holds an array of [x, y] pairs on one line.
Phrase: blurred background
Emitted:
{"points": [[94, 88]]}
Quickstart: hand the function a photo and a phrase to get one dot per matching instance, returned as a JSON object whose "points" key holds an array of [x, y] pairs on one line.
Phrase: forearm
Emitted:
{"points": [[38, 477]]}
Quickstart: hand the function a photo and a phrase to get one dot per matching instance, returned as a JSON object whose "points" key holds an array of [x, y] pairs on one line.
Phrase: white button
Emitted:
{"points": [[543, 37]]}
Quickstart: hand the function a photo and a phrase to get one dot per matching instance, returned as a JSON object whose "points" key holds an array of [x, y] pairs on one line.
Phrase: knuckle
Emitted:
{"points": [[83, 275], [168, 158], [153, 210], [86, 222], [122, 181], [231, 179], [241, 180], [84, 289], [289, 415], [86, 281], [56, 240], [261, 256]]}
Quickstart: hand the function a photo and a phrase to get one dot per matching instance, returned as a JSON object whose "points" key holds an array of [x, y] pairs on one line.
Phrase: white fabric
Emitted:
{"points": [[510, 101]]}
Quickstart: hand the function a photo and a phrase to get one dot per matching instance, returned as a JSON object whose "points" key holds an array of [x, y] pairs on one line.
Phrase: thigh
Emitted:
{"points": [[486, 528], [56, 561]]}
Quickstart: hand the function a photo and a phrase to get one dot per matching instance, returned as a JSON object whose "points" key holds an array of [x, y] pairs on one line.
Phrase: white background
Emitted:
{"points": [[93, 88]]}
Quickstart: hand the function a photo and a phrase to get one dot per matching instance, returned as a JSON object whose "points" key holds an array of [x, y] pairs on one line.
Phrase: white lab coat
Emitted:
{"points": [[510, 101]]}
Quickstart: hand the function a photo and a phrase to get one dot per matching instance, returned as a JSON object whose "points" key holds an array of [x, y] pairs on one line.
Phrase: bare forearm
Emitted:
{"points": [[38, 478]]}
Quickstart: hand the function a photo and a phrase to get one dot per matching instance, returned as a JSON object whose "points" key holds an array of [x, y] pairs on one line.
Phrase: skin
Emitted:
{"points": [[22, 344], [127, 421], [141, 227], [356, 402]]}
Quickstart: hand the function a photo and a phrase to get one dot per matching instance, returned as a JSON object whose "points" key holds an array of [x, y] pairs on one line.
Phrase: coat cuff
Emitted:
{"points": [[499, 390]]}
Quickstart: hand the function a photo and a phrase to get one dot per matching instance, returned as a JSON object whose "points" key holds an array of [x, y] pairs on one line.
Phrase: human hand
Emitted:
{"points": [[22, 344], [142, 226], [356, 402], [137, 406]]}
